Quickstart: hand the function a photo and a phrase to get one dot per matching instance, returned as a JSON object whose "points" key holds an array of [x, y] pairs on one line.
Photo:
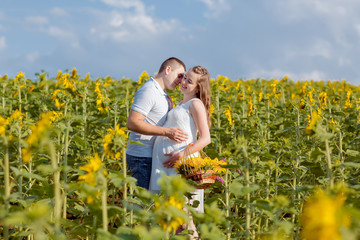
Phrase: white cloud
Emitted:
{"points": [[138, 5], [117, 20], [58, 12], [299, 10], [130, 22], [357, 29], [37, 20], [58, 32], [319, 48], [64, 35], [2, 43], [215, 7], [32, 56], [342, 61]]}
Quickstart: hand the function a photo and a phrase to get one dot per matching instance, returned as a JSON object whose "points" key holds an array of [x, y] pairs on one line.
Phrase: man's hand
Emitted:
{"points": [[174, 157], [177, 134]]}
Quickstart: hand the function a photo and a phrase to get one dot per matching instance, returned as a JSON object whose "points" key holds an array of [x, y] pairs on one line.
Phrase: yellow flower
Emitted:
{"points": [[100, 99], [91, 168], [17, 114], [87, 76], [261, 94], [268, 96], [323, 216], [225, 83], [313, 122], [3, 123], [274, 83], [333, 122], [285, 78], [109, 139], [212, 109], [323, 97], [58, 104], [143, 78], [5, 77], [348, 103], [227, 113], [37, 131], [19, 75], [191, 164], [310, 96], [108, 81], [74, 73], [26, 154], [160, 210], [58, 75], [250, 108]]}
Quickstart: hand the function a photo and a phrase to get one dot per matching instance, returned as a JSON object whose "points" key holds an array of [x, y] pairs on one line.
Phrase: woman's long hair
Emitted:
{"points": [[204, 89]]}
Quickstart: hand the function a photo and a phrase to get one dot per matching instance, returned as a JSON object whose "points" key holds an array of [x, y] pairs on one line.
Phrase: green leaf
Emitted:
{"points": [[352, 153], [350, 165], [27, 174], [240, 190], [263, 204], [316, 153], [79, 141]]}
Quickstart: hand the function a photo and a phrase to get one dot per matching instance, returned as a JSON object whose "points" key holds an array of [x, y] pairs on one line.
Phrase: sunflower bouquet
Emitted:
{"points": [[200, 169]]}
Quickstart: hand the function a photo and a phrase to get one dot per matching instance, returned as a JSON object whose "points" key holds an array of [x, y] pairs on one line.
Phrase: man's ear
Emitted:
{"points": [[167, 70]]}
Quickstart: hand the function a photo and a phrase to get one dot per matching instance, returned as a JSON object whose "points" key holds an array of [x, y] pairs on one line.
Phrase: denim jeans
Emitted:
{"points": [[140, 168]]}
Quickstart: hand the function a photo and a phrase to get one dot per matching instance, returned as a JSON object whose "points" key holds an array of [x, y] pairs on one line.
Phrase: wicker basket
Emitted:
{"points": [[203, 178]]}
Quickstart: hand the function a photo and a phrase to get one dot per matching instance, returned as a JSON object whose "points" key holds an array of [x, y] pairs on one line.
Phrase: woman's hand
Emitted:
{"points": [[174, 157]]}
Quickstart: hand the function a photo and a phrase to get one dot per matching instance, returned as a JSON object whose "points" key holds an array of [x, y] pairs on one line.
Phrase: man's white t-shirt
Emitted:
{"points": [[151, 101]]}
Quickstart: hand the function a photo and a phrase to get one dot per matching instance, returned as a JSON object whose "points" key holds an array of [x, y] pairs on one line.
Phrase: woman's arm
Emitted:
{"points": [[198, 112]]}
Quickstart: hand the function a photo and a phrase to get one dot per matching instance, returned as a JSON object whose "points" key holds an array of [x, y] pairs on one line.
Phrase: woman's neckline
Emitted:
{"points": [[182, 102]]}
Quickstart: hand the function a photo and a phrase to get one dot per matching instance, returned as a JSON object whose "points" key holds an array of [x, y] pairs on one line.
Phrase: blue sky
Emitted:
{"points": [[304, 39]]}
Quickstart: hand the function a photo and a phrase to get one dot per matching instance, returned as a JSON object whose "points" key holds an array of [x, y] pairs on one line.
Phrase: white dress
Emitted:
{"points": [[177, 117]]}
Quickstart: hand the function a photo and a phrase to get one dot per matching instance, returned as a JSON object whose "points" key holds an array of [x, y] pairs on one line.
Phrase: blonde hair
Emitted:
{"points": [[203, 83]]}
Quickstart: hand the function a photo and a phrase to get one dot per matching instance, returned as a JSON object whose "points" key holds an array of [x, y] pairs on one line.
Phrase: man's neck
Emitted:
{"points": [[160, 80]]}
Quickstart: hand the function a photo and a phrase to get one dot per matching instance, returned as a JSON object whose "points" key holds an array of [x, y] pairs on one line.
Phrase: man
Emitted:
{"points": [[147, 115]]}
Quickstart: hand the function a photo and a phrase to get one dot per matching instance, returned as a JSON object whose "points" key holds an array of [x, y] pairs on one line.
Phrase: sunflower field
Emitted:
{"points": [[291, 150]]}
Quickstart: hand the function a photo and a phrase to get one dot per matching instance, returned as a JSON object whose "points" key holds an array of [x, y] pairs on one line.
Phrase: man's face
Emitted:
{"points": [[174, 77]]}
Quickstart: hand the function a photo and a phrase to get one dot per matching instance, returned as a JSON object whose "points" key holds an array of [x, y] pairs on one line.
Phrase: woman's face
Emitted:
{"points": [[189, 83]]}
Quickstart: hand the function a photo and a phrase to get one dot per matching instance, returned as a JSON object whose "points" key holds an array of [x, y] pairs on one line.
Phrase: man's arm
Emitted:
{"points": [[137, 124]]}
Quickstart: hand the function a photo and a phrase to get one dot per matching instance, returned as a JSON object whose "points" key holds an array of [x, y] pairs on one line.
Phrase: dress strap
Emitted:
{"points": [[190, 101]]}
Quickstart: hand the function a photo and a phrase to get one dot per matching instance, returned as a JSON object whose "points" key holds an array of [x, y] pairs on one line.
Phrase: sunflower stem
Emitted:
{"points": [[329, 164], [57, 194], [7, 183]]}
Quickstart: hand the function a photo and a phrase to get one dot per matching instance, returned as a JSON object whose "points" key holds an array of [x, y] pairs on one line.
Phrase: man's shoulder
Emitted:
{"points": [[147, 86]]}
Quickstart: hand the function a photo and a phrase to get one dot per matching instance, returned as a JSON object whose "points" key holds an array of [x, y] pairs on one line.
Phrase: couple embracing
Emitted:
{"points": [[165, 131]]}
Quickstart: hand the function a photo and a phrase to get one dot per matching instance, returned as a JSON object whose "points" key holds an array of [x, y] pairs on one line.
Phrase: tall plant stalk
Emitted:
{"points": [[227, 204], [56, 179], [329, 164], [7, 183], [104, 202], [125, 185], [247, 182]]}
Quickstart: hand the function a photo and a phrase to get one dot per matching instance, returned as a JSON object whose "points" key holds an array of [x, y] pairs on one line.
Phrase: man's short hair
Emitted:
{"points": [[173, 62]]}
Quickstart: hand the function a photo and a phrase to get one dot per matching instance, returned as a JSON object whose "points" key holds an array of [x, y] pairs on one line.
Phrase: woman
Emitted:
{"points": [[192, 115]]}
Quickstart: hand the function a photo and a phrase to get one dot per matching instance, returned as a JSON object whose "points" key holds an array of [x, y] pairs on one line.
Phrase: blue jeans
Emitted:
{"points": [[140, 168]]}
